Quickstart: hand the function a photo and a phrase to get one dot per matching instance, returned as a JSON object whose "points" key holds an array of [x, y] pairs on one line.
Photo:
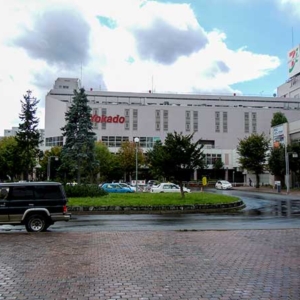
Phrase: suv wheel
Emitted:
{"points": [[35, 223]]}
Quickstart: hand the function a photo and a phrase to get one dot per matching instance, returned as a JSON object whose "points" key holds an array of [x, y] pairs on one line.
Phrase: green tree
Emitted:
{"points": [[10, 159], [78, 151], [276, 162], [294, 160], [28, 136], [177, 158], [106, 161], [127, 158], [278, 118], [217, 166], [51, 159], [253, 154]]}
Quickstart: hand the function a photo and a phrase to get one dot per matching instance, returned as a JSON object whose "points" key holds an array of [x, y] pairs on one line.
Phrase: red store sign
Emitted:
{"points": [[107, 119]]}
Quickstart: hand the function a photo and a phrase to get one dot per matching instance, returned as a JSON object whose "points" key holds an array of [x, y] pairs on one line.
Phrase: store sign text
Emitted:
{"points": [[107, 119]]}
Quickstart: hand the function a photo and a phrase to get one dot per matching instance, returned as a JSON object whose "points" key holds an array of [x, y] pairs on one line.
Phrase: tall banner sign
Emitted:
{"points": [[294, 61], [278, 136]]}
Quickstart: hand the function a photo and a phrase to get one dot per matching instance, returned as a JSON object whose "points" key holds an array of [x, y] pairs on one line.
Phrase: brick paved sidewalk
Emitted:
{"points": [[214, 265]]}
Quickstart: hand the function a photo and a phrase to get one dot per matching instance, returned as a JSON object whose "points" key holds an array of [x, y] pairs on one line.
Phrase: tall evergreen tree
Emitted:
{"points": [[78, 151], [28, 136]]}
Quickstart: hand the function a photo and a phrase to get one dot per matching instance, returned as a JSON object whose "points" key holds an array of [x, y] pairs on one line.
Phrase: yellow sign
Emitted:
{"points": [[204, 181]]}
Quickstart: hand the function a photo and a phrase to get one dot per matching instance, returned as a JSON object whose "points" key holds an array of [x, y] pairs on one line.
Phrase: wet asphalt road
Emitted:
{"points": [[261, 212]]}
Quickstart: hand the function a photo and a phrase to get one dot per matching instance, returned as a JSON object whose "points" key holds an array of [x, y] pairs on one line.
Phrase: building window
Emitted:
{"points": [[148, 142], [225, 122], [211, 158], [103, 113], [54, 141], [195, 120], [114, 141], [246, 122], [127, 119], [187, 121], [157, 120], [95, 112], [217, 121], [254, 122], [166, 120], [135, 119]]}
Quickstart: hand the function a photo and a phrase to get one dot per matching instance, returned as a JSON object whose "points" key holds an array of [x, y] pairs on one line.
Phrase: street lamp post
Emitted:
{"points": [[136, 140], [49, 166]]}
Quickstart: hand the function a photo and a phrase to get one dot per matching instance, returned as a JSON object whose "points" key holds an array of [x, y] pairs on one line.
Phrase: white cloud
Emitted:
{"points": [[144, 44], [291, 6]]}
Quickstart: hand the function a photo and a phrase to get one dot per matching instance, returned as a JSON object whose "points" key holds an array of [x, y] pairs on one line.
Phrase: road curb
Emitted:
{"points": [[197, 208]]}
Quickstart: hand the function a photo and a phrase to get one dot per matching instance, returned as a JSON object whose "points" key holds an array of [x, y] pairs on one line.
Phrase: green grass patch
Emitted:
{"points": [[149, 199]]}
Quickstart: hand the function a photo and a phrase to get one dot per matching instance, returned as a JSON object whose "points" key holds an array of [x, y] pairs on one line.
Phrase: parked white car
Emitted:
{"points": [[168, 188], [223, 185], [133, 188]]}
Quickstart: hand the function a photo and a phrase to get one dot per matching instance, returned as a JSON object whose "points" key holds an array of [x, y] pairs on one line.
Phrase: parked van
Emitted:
{"points": [[37, 205]]}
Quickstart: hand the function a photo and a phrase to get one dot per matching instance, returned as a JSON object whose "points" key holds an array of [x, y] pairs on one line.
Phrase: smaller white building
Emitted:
{"points": [[13, 132]]}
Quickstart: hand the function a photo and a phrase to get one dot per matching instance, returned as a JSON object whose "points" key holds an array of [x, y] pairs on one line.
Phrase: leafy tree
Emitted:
{"points": [[217, 166], [78, 151], [10, 159], [276, 162], [52, 157], [106, 161], [253, 153], [278, 118], [294, 162], [127, 157], [28, 136], [177, 158]]}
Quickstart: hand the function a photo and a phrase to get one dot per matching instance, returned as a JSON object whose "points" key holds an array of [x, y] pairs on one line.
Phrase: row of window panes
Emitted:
{"points": [[211, 158], [116, 141], [54, 141]]}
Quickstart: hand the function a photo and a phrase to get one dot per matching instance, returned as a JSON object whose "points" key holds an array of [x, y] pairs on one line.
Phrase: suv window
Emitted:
{"points": [[21, 193], [4, 193], [48, 192]]}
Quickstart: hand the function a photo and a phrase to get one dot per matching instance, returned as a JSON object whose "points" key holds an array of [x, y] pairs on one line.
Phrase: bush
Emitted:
{"points": [[84, 190]]}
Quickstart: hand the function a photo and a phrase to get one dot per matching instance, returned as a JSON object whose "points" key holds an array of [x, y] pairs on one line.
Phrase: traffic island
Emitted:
{"points": [[180, 209]]}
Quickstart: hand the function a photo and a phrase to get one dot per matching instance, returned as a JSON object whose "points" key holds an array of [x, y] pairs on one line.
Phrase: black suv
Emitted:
{"points": [[37, 205]]}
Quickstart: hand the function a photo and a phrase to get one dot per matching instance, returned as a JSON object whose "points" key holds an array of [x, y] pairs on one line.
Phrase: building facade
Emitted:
{"points": [[220, 121], [13, 132]]}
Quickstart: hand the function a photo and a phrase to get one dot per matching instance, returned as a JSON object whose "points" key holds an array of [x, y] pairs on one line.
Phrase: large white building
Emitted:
{"points": [[220, 121]]}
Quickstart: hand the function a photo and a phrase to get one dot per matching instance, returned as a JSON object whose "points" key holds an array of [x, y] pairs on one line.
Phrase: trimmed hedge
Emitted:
{"points": [[84, 190]]}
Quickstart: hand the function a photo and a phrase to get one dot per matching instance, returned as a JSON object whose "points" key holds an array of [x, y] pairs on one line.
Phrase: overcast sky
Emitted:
{"points": [[196, 46]]}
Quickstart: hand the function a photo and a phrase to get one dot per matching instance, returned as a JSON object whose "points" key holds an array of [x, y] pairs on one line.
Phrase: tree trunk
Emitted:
{"points": [[181, 190], [257, 181]]}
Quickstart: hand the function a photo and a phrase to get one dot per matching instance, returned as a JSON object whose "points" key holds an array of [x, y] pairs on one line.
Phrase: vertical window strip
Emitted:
{"points": [[187, 120], [135, 119], [157, 120], [127, 119], [246, 122], [195, 120], [217, 121], [103, 113], [166, 120], [225, 120], [95, 112]]}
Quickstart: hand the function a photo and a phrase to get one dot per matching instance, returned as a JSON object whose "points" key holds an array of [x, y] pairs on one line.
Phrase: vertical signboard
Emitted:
{"points": [[294, 61], [278, 136]]}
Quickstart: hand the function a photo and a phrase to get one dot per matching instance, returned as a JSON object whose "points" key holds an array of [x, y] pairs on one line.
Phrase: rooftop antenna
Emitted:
{"points": [[81, 73]]}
